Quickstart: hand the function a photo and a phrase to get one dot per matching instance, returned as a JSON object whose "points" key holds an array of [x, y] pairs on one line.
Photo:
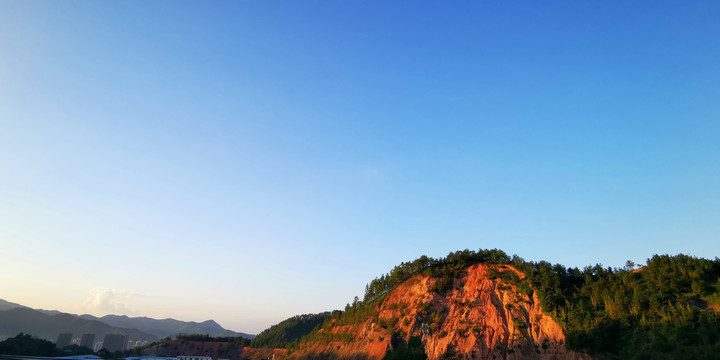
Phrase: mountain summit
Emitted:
{"points": [[487, 312]]}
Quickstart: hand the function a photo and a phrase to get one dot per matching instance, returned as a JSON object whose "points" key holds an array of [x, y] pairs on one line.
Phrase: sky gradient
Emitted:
{"points": [[246, 161]]}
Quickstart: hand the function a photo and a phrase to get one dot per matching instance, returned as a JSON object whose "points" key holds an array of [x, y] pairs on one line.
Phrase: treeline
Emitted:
{"points": [[288, 332], [442, 267], [666, 309], [659, 311], [27, 345], [238, 340]]}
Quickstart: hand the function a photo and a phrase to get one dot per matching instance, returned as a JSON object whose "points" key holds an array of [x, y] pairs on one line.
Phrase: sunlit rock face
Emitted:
{"points": [[476, 316]]}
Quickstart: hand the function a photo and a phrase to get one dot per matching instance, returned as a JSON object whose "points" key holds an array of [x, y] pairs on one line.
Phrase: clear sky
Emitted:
{"points": [[246, 161]]}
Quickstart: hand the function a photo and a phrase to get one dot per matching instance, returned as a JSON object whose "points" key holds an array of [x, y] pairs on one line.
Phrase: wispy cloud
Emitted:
{"points": [[114, 301]]}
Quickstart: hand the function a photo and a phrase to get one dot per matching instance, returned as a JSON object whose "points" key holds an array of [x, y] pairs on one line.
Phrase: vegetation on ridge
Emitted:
{"points": [[287, 333], [238, 340]]}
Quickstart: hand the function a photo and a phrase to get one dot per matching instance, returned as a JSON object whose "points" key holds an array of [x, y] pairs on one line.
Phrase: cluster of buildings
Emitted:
{"points": [[111, 342]]}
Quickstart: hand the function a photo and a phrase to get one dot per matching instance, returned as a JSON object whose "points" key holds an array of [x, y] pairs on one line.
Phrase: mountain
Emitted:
{"points": [[37, 323], [146, 328], [487, 305], [167, 327], [475, 317], [6, 305]]}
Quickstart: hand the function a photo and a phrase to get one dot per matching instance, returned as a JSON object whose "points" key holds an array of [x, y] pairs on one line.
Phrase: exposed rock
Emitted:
{"points": [[476, 318]]}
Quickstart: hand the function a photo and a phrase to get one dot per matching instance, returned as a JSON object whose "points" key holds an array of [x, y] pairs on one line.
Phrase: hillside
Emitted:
{"points": [[6, 305], [48, 327], [476, 317], [48, 323], [289, 331], [486, 304]]}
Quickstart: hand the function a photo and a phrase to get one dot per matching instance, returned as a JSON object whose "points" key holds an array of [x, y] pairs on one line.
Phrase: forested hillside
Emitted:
{"points": [[289, 331], [666, 309]]}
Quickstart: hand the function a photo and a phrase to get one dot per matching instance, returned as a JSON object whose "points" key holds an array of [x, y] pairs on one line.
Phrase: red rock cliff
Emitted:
{"points": [[477, 318]]}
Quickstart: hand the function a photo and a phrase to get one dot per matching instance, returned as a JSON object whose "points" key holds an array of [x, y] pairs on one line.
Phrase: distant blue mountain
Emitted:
{"points": [[29, 321], [47, 324], [167, 327], [6, 305]]}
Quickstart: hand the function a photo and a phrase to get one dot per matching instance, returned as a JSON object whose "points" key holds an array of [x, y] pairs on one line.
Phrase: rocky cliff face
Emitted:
{"points": [[477, 316]]}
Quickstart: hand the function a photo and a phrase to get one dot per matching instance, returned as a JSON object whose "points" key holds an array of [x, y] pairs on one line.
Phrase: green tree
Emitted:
{"points": [[26, 345]]}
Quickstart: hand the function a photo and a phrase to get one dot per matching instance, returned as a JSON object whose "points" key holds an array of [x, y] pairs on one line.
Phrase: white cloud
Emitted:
{"points": [[113, 301]]}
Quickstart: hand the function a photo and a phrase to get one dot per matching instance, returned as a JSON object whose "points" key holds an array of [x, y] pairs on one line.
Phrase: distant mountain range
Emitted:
{"points": [[6, 305], [48, 324], [36, 323], [167, 327]]}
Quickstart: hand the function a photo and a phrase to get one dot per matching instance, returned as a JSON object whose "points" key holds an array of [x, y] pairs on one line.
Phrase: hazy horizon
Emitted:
{"points": [[250, 161]]}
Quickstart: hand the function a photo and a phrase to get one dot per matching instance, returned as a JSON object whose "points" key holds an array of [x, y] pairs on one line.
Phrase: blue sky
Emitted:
{"points": [[247, 161]]}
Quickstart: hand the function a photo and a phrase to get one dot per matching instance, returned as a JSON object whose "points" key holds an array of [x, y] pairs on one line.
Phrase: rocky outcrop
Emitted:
{"points": [[477, 316]]}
